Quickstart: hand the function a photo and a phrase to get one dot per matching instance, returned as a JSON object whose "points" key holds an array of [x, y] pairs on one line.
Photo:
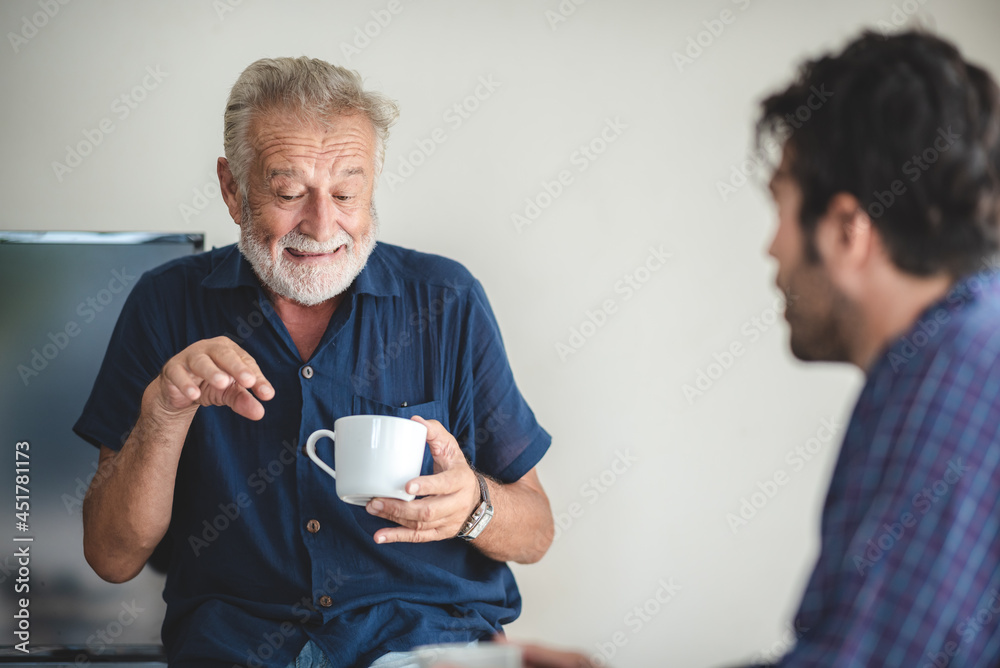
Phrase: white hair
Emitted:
{"points": [[309, 88]]}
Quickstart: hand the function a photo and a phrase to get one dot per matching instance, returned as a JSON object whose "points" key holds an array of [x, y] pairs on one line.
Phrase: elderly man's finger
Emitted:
{"points": [[407, 535], [426, 513], [448, 481], [243, 403], [178, 380], [204, 366], [230, 361], [243, 368], [444, 447]]}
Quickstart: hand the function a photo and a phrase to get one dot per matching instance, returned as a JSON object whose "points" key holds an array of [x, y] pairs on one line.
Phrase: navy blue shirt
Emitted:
{"points": [[263, 555]]}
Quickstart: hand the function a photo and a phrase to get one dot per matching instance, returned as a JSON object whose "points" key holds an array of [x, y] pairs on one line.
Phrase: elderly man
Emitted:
{"points": [[888, 207], [222, 364]]}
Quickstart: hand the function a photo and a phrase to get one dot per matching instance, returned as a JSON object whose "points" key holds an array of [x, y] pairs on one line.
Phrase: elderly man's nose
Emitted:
{"points": [[319, 219]]}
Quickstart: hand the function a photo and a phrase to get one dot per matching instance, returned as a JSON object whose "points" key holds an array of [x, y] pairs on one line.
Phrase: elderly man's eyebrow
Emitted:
{"points": [[278, 172], [292, 173]]}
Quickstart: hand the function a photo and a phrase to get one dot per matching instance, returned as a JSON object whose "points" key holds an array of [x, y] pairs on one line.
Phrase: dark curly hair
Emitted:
{"points": [[909, 128]]}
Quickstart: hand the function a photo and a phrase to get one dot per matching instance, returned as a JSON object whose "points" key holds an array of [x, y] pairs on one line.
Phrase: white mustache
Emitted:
{"points": [[300, 242]]}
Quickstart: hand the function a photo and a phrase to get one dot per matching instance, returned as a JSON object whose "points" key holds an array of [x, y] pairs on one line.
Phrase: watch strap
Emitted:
{"points": [[481, 515]]}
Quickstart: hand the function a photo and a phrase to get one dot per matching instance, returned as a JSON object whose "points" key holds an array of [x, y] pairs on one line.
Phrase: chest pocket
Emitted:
{"points": [[428, 410]]}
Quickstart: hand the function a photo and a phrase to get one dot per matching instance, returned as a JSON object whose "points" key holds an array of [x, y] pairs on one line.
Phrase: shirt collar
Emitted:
{"points": [[377, 278], [965, 291], [234, 271]]}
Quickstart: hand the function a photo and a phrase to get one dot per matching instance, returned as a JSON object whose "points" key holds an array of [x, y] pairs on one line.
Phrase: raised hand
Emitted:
{"points": [[213, 372]]}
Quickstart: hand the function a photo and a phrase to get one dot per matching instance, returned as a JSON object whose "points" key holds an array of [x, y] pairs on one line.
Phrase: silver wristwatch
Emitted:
{"points": [[481, 516]]}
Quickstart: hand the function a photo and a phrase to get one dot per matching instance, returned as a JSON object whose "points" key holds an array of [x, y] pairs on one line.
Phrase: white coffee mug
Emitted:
{"points": [[373, 455]]}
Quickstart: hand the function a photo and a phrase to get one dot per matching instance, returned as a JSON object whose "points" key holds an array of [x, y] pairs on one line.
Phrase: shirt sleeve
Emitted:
{"points": [[909, 569], [137, 351], [496, 426]]}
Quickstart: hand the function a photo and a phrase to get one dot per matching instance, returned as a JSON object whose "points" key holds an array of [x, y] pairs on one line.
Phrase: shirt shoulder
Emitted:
{"points": [[962, 328], [976, 327], [196, 267], [415, 268]]}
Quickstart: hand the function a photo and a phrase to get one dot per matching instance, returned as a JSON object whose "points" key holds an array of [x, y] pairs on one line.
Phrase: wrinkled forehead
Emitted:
{"points": [[283, 136]]}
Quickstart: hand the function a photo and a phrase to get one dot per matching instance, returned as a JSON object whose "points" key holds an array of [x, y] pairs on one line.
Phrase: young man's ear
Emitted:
{"points": [[844, 233], [230, 191]]}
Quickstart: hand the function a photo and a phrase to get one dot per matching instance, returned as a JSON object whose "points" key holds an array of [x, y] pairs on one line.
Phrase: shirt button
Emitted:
{"points": [[307, 372], [325, 601], [312, 526]]}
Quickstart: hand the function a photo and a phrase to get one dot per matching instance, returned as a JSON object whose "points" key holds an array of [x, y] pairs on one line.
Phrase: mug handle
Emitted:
{"points": [[311, 449]]}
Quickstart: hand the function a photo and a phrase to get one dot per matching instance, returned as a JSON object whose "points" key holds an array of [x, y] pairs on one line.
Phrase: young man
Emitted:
{"points": [[888, 203], [888, 198]]}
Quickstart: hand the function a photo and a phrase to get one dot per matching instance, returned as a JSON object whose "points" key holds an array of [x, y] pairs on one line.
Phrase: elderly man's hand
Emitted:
{"points": [[213, 372], [448, 497], [540, 656], [536, 656]]}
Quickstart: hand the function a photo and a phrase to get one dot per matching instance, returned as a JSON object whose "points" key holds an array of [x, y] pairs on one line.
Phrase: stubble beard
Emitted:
{"points": [[819, 316]]}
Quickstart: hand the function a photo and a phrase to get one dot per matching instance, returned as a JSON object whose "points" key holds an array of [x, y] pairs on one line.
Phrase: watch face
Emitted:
{"points": [[480, 525], [469, 528]]}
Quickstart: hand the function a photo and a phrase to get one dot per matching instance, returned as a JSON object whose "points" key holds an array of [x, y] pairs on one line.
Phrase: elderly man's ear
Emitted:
{"points": [[230, 191]]}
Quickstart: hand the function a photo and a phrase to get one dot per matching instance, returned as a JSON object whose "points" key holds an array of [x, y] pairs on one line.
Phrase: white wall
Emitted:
{"points": [[655, 185]]}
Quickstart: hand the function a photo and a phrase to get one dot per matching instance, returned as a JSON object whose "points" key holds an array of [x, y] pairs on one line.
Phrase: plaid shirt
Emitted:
{"points": [[909, 570]]}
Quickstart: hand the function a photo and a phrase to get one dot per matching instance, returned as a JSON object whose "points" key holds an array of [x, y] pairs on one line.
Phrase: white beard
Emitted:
{"points": [[307, 285]]}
